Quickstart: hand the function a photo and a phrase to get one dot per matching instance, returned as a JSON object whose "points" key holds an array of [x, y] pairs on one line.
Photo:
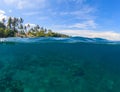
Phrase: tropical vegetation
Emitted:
{"points": [[14, 27]]}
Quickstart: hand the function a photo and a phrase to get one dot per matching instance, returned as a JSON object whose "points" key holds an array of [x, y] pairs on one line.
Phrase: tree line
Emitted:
{"points": [[13, 27]]}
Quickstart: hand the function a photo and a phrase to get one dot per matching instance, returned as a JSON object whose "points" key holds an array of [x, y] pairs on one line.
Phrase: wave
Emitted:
{"points": [[58, 40]]}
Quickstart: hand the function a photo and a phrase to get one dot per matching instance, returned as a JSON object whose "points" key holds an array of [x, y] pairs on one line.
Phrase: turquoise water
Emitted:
{"points": [[59, 65]]}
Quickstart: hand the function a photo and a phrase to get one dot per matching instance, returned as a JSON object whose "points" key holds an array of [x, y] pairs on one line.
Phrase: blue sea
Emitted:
{"points": [[73, 64]]}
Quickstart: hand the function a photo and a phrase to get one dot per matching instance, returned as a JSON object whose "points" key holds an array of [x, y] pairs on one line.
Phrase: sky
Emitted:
{"points": [[86, 18]]}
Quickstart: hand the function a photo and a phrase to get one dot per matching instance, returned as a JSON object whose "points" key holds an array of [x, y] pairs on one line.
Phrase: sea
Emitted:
{"points": [[74, 64]]}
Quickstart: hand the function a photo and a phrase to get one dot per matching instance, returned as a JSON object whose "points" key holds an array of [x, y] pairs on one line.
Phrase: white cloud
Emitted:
{"points": [[110, 35], [84, 12], [2, 15], [84, 25], [73, 1], [2, 12], [78, 1], [89, 24], [21, 4], [31, 13]]}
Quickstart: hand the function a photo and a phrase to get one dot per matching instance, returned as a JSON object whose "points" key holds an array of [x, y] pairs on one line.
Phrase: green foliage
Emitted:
{"points": [[2, 25], [1, 32], [9, 22], [6, 33], [16, 28], [40, 33]]}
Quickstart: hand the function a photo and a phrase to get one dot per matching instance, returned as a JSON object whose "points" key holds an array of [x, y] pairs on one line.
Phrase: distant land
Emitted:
{"points": [[13, 27]]}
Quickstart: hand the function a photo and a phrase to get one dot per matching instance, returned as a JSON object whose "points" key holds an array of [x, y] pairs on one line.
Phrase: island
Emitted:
{"points": [[14, 27]]}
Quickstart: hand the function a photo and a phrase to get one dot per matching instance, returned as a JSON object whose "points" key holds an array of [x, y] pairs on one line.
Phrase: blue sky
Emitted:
{"points": [[89, 18]]}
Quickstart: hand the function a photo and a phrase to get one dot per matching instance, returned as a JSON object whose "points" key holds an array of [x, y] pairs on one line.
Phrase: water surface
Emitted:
{"points": [[59, 65]]}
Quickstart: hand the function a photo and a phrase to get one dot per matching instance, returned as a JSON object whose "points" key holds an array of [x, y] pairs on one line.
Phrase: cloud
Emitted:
{"points": [[31, 13], [89, 24], [72, 1], [21, 4], [110, 35], [84, 25], [2, 15], [82, 12], [79, 1], [2, 12]]}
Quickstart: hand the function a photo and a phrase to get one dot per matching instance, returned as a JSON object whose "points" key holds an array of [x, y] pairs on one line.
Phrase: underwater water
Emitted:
{"points": [[59, 65]]}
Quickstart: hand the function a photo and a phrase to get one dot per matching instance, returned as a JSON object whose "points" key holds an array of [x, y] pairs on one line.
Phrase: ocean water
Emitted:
{"points": [[59, 65]]}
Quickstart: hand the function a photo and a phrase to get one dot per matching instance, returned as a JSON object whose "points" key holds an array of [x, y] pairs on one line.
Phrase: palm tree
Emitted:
{"points": [[3, 21], [2, 25], [21, 20], [25, 28], [14, 23], [9, 23], [28, 26]]}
